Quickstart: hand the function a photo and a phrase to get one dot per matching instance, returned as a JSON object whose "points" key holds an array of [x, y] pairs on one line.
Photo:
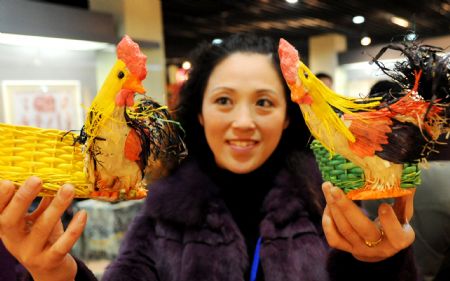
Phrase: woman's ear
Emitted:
{"points": [[200, 119]]}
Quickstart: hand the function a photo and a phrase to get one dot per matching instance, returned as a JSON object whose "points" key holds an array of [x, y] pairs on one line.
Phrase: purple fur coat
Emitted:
{"points": [[185, 233]]}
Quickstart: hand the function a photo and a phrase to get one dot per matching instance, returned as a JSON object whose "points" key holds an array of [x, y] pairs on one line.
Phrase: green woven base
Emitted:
{"points": [[347, 176]]}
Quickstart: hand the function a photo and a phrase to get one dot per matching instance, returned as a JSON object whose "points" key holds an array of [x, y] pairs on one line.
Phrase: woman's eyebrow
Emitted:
{"points": [[221, 88], [265, 91]]}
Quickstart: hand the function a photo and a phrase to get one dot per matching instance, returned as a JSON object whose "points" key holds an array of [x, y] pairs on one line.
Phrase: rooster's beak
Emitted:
{"points": [[300, 95], [134, 84]]}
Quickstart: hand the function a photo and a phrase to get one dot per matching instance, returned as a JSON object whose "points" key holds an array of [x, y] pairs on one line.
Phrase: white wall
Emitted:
{"points": [[20, 63]]}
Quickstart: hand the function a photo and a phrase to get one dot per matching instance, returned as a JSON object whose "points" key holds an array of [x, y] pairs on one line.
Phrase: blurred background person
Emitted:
{"points": [[385, 87], [326, 79]]}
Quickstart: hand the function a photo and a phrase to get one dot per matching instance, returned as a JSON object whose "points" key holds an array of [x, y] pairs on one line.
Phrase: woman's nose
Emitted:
{"points": [[244, 119]]}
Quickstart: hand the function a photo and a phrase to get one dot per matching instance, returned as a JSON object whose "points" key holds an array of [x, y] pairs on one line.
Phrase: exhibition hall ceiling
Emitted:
{"points": [[188, 22]]}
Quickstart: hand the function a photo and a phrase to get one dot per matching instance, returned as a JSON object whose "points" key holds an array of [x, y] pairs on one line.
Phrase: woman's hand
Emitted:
{"points": [[37, 239], [347, 228]]}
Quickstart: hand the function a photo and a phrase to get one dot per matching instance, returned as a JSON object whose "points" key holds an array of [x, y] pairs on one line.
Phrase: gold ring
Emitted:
{"points": [[372, 244]]}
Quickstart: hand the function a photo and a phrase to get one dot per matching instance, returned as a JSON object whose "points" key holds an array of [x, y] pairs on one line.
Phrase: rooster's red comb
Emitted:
{"points": [[288, 61], [129, 52]]}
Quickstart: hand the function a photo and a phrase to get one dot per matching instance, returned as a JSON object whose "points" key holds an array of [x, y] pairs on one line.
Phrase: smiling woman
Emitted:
{"points": [[249, 188], [246, 112]]}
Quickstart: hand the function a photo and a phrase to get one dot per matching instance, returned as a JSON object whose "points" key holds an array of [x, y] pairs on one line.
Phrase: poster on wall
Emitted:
{"points": [[43, 104]]}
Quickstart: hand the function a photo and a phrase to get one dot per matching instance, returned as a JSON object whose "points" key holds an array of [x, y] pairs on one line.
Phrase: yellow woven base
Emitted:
{"points": [[47, 153]]}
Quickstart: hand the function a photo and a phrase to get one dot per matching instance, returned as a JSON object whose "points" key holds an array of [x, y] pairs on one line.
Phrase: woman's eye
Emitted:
{"points": [[264, 103], [223, 101]]}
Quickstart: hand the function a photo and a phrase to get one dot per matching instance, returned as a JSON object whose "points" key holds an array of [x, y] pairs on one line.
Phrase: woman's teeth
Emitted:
{"points": [[242, 143]]}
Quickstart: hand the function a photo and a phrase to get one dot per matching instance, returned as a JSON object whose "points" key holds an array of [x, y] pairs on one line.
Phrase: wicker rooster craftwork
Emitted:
{"points": [[123, 144], [382, 134]]}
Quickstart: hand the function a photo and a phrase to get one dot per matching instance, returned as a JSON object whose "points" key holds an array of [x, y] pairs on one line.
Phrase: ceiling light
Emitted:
{"points": [[217, 41], [186, 65], [50, 43], [292, 1], [411, 36], [358, 19], [400, 21], [365, 41]]}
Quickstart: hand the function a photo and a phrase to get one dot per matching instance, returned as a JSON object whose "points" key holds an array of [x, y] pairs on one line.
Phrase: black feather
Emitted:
{"points": [[407, 142], [161, 137], [435, 66]]}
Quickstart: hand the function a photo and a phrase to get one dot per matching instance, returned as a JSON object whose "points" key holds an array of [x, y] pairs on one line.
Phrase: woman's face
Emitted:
{"points": [[243, 111]]}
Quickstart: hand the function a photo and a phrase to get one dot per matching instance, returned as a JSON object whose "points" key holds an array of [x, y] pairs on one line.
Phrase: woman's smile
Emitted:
{"points": [[242, 145]]}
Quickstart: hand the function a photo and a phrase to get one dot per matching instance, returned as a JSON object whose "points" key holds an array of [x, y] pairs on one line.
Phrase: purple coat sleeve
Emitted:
{"points": [[7, 265], [84, 273], [401, 267]]}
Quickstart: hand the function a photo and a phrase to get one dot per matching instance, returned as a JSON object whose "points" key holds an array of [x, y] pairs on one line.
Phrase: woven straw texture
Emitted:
{"points": [[47, 153], [347, 176]]}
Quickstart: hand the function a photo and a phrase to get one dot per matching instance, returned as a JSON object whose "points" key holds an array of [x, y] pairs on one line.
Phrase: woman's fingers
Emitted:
{"points": [[13, 214], [399, 236], [404, 207], [334, 238], [340, 224], [347, 228], [73, 232], [352, 223], [56, 233], [47, 221], [6, 193]]}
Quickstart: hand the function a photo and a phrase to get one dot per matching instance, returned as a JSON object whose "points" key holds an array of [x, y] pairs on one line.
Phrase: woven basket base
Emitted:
{"points": [[367, 193]]}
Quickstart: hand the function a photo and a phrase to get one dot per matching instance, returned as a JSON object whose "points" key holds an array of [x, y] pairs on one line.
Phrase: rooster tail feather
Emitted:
{"points": [[422, 112], [434, 82]]}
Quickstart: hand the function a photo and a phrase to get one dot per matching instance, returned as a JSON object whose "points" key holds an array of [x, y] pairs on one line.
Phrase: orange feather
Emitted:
{"points": [[133, 146], [370, 130]]}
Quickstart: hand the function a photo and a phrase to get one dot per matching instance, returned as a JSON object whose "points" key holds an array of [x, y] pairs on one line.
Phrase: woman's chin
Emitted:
{"points": [[241, 168]]}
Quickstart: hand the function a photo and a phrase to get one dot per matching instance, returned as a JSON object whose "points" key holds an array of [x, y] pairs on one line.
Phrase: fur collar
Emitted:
{"points": [[189, 197]]}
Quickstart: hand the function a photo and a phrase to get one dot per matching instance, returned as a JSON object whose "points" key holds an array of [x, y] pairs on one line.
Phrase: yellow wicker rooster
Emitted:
{"points": [[122, 146], [119, 137], [377, 134]]}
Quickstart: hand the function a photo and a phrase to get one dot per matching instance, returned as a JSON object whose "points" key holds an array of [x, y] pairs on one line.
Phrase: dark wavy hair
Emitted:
{"points": [[294, 141]]}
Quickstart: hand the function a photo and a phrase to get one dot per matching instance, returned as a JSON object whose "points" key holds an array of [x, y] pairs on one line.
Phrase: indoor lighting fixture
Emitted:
{"points": [[358, 19], [217, 41], [186, 65], [365, 41], [400, 21], [50, 43], [292, 1], [411, 36]]}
